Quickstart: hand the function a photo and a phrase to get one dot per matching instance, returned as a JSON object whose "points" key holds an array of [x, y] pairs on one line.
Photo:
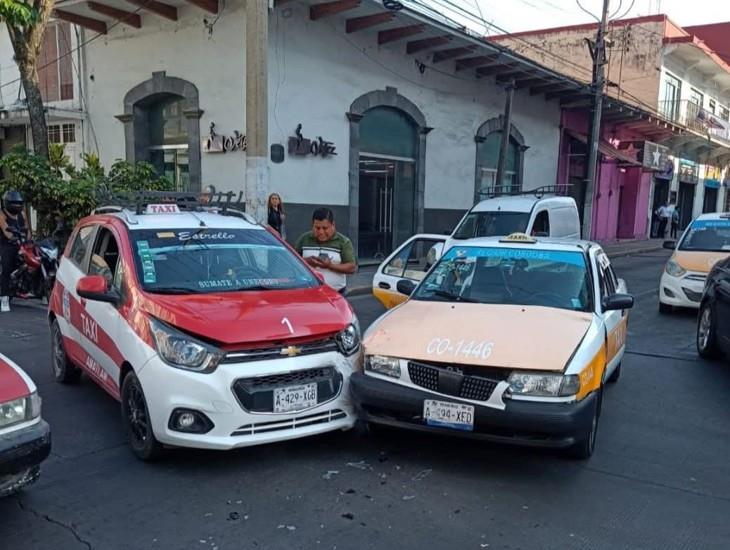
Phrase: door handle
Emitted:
{"points": [[384, 285]]}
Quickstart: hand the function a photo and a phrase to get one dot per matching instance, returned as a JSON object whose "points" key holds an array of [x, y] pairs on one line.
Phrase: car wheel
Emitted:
{"points": [[706, 343], [584, 447], [64, 371], [615, 375], [664, 308], [136, 420]]}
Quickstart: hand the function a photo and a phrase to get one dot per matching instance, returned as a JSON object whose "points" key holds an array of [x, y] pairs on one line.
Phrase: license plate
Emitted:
{"points": [[448, 415], [295, 398]]}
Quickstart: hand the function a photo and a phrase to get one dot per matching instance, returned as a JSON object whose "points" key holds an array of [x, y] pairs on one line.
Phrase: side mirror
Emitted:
{"points": [[95, 287], [670, 245], [617, 302], [404, 286]]}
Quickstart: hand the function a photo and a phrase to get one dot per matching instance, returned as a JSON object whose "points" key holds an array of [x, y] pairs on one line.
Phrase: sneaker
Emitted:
{"points": [[4, 304]]}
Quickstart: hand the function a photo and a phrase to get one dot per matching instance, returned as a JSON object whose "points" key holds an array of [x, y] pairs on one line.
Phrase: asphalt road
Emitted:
{"points": [[660, 477]]}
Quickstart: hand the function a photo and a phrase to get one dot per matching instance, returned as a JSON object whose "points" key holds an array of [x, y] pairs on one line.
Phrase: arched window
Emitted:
{"points": [[489, 142], [168, 139]]}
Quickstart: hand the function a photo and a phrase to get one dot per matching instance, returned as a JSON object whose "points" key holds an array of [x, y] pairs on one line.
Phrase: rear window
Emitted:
{"points": [[491, 224], [707, 235], [205, 260]]}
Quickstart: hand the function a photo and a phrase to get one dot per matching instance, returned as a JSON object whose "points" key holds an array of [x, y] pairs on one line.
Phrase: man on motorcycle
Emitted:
{"points": [[12, 224]]}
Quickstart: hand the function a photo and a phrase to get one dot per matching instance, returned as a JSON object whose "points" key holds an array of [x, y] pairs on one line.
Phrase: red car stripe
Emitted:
{"points": [[12, 385]]}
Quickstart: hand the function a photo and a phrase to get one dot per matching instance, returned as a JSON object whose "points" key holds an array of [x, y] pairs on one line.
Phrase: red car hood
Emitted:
{"points": [[240, 318]]}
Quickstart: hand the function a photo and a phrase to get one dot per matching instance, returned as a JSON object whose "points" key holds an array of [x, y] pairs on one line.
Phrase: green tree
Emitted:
{"points": [[26, 22]]}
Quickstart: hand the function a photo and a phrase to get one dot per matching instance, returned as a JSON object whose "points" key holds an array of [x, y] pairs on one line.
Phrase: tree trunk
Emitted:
{"points": [[36, 110]]}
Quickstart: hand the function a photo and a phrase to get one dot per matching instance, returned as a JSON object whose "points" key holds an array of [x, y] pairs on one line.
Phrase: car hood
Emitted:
{"points": [[14, 383], [513, 337], [700, 262], [240, 318]]}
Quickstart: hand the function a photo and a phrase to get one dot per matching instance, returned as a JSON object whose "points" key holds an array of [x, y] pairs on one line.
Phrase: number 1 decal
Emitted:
{"points": [[286, 322]]}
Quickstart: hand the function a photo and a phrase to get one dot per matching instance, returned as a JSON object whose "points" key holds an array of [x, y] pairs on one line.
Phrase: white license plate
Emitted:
{"points": [[448, 415], [295, 398]]}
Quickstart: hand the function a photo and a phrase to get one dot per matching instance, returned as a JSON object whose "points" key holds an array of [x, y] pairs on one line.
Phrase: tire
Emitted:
{"points": [[584, 447], [665, 309], [706, 337], [64, 371], [615, 375], [136, 420]]}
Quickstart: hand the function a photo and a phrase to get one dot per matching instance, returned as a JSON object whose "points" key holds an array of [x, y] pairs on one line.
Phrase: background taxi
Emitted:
{"points": [[509, 340], [705, 242]]}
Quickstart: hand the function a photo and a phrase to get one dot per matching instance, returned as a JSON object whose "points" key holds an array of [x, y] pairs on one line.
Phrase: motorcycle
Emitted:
{"points": [[37, 266]]}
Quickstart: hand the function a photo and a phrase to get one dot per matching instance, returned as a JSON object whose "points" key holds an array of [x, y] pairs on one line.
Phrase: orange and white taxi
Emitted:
{"points": [[705, 242], [509, 340]]}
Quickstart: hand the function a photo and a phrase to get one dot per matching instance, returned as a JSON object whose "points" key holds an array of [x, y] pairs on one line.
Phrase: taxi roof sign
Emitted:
{"points": [[518, 237], [163, 208]]}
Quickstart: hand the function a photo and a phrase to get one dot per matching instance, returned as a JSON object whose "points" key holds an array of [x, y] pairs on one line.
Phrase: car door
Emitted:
{"points": [[101, 323], [616, 322], [411, 261], [72, 267], [722, 305]]}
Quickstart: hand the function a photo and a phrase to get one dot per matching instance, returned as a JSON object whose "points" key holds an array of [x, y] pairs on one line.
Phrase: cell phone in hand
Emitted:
{"points": [[323, 256]]}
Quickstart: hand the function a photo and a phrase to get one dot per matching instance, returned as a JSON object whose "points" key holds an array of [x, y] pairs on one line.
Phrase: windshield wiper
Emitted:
{"points": [[253, 287], [453, 297], [174, 290]]}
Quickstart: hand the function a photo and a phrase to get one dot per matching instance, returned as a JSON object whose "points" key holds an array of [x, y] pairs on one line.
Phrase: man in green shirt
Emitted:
{"points": [[327, 251]]}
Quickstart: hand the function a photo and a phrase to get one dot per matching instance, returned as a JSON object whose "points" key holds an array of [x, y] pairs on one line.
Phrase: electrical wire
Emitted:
{"points": [[586, 11]]}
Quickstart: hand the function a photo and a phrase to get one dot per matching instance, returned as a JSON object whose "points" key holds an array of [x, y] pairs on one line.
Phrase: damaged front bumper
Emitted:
{"points": [[21, 453]]}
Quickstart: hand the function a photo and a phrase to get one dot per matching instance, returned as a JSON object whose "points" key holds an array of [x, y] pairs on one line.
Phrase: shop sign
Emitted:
{"points": [[688, 172], [302, 147], [655, 157], [218, 143], [712, 177]]}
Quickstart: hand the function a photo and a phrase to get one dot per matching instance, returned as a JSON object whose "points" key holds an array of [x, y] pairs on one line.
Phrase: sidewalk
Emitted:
{"points": [[361, 283]]}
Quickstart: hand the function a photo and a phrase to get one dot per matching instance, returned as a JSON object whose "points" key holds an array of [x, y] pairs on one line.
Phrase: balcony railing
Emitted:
{"points": [[695, 118]]}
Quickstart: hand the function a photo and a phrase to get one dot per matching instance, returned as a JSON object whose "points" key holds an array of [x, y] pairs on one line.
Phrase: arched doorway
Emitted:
{"points": [[169, 140], [387, 160], [489, 140]]}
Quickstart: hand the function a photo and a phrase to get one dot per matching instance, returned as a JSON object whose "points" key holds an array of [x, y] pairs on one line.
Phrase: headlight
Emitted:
{"points": [[182, 351], [543, 385], [674, 269], [389, 366], [20, 410], [349, 339]]}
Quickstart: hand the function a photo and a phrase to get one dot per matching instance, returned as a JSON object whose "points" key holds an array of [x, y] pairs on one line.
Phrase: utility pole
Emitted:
{"points": [[598, 54], [257, 111], [504, 141]]}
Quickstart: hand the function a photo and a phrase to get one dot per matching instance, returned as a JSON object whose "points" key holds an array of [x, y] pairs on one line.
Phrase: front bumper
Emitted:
{"points": [[167, 388], [21, 452], [685, 291], [527, 423]]}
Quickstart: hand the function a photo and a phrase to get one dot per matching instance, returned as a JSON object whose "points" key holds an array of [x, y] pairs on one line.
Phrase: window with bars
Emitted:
{"points": [[712, 106], [62, 133], [724, 113], [55, 63]]}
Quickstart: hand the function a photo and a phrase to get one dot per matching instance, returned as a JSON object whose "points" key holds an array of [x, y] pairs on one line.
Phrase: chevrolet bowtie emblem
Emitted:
{"points": [[291, 351]]}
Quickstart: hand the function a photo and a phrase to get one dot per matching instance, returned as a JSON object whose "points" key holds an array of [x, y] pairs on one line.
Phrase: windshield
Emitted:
{"points": [[510, 276], [491, 224], [707, 235], [204, 260]]}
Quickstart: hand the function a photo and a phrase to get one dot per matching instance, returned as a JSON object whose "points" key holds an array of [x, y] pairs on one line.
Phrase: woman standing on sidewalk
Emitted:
{"points": [[276, 214]]}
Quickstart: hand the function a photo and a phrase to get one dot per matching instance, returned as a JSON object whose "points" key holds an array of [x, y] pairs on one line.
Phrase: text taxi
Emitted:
{"points": [[705, 242], [210, 330], [509, 340]]}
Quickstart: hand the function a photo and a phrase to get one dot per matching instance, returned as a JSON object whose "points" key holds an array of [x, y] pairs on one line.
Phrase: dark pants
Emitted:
{"points": [[673, 231], [662, 227], [8, 260]]}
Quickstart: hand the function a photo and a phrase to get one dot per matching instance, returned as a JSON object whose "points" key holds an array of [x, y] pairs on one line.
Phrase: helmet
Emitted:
{"points": [[13, 201]]}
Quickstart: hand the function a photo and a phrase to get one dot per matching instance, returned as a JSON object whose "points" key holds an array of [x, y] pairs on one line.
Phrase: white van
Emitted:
{"points": [[536, 213]]}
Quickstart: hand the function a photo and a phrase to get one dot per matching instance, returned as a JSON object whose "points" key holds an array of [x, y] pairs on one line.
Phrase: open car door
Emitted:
{"points": [[411, 261]]}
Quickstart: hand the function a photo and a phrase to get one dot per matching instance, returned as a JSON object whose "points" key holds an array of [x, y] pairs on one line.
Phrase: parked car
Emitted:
{"points": [[537, 213], [25, 438], [705, 242], [210, 330], [713, 322], [509, 340]]}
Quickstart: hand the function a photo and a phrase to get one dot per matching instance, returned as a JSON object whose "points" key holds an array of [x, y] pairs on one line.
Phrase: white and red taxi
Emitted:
{"points": [[705, 242], [25, 438], [210, 330], [509, 340]]}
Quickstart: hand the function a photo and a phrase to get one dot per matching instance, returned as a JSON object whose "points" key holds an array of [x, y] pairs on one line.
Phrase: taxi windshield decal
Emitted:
{"points": [[707, 236], [559, 256]]}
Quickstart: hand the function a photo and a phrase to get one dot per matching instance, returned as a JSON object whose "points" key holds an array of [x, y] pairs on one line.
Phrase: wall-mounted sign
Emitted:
{"points": [[713, 177], [301, 146], [218, 143], [688, 171], [655, 156]]}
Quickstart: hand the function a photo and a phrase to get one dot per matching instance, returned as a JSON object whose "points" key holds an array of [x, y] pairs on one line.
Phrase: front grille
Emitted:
{"points": [[692, 295], [696, 277], [281, 351], [466, 382], [256, 394], [292, 423]]}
